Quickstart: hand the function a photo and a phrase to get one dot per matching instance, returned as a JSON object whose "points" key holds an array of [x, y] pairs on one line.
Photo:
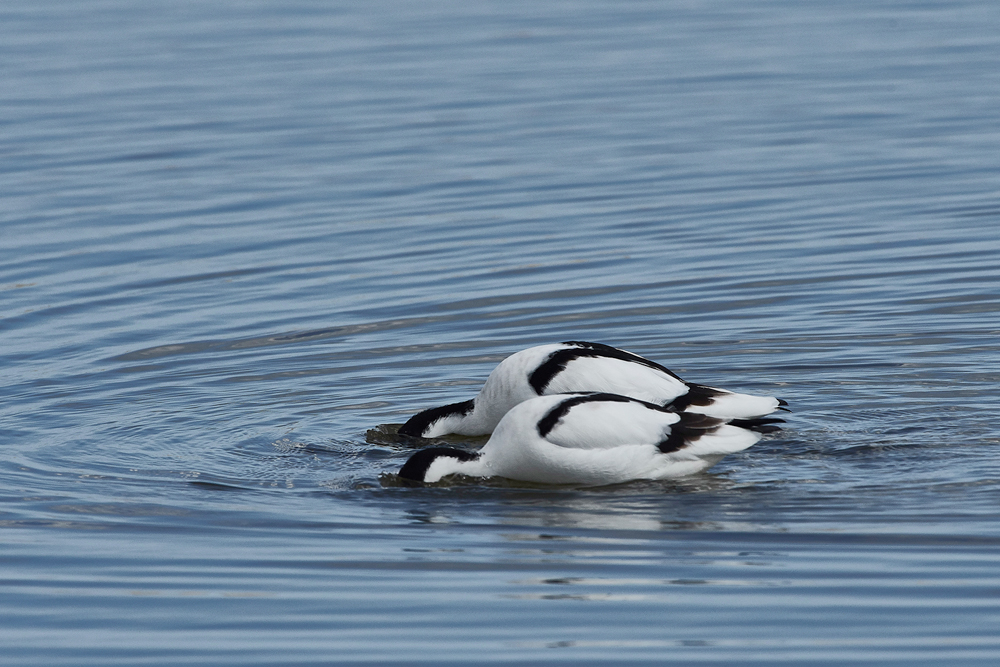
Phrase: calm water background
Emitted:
{"points": [[238, 236]]}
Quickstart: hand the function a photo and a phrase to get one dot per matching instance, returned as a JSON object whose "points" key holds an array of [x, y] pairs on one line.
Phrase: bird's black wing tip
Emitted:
{"points": [[759, 424]]}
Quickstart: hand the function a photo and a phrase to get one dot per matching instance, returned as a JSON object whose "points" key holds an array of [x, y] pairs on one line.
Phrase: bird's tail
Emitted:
{"points": [[759, 424], [727, 405]]}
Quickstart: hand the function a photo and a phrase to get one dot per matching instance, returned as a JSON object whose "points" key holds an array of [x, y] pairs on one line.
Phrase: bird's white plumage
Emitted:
{"points": [[617, 376], [608, 424], [594, 442], [597, 368], [506, 386]]}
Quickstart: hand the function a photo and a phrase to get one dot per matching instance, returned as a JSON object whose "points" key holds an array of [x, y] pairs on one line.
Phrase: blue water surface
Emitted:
{"points": [[238, 240]]}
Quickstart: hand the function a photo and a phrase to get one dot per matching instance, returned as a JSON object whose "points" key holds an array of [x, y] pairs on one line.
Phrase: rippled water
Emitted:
{"points": [[238, 237]]}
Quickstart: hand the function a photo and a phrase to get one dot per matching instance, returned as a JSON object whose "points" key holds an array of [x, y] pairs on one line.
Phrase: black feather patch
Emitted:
{"points": [[691, 427], [416, 467], [418, 423], [557, 361], [759, 424], [698, 394], [552, 417]]}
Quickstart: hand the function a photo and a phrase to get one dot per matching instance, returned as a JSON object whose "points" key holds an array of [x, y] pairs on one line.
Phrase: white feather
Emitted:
{"points": [[617, 376], [607, 424]]}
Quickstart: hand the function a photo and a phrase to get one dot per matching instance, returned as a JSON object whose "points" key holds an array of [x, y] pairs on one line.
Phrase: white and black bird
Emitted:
{"points": [[591, 439], [581, 367]]}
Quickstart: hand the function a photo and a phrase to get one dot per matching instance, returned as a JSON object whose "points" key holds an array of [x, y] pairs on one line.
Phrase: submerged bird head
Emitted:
{"points": [[433, 463], [437, 421]]}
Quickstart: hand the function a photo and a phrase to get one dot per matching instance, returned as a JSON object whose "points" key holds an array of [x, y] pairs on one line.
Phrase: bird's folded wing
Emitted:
{"points": [[605, 424], [617, 376]]}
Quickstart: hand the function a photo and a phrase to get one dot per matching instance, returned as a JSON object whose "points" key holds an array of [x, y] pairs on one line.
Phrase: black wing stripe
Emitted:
{"points": [[691, 427], [552, 417], [557, 361], [698, 394], [759, 424]]}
